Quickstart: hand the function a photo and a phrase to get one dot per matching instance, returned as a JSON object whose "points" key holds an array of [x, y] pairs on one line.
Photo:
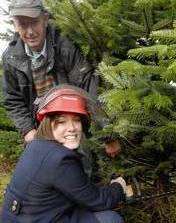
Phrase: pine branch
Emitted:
{"points": [[90, 33], [109, 73], [170, 74], [137, 28], [166, 36], [148, 52], [157, 101], [147, 21], [3, 11], [162, 24]]}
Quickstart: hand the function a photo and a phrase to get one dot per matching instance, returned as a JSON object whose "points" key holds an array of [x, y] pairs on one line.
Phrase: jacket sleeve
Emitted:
{"points": [[73, 182], [79, 70], [14, 101]]}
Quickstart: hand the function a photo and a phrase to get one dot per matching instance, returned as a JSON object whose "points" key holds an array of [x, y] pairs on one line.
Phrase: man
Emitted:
{"points": [[37, 59]]}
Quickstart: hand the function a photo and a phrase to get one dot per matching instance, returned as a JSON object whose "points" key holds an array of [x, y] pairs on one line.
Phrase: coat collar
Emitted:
{"points": [[15, 54]]}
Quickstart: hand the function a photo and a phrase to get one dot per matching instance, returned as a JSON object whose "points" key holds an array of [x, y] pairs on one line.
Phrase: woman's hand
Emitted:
{"points": [[121, 181], [127, 189]]}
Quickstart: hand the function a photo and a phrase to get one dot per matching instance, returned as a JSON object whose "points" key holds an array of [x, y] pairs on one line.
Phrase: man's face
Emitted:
{"points": [[32, 30]]}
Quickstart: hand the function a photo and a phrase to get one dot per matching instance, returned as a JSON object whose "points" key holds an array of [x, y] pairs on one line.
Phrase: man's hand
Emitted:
{"points": [[30, 136], [113, 148]]}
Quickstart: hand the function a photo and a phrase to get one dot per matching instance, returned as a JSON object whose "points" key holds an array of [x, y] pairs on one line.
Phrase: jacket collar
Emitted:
{"points": [[17, 57]]}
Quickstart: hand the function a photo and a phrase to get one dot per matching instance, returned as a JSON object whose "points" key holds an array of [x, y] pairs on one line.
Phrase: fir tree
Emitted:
{"points": [[141, 101], [9, 32]]}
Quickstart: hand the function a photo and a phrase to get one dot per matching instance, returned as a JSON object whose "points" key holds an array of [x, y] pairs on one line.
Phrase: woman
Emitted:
{"points": [[49, 184]]}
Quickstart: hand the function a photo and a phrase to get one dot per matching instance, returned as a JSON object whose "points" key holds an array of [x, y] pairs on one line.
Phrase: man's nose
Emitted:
{"points": [[29, 29]]}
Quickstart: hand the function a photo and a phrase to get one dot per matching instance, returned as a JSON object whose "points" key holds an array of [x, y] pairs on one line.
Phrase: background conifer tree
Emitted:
{"points": [[9, 31], [141, 103]]}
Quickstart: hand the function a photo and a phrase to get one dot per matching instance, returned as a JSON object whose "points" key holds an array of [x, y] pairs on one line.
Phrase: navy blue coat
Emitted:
{"points": [[49, 185]]}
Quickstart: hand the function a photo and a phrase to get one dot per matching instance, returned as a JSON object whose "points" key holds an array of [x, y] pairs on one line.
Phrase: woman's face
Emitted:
{"points": [[67, 130]]}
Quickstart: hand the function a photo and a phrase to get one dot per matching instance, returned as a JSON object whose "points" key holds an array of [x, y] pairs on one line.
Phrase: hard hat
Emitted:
{"points": [[88, 107], [62, 100]]}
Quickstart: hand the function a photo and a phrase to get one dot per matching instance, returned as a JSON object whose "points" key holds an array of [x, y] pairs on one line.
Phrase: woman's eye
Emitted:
{"points": [[77, 119], [61, 121]]}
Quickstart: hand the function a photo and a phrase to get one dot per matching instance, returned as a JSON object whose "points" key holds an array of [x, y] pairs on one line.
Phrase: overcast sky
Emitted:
{"points": [[3, 26]]}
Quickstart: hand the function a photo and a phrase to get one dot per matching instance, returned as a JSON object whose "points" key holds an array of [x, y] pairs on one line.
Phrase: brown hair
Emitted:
{"points": [[44, 130]]}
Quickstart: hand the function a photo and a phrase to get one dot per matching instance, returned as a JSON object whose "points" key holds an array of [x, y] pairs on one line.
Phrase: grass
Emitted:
{"points": [[5, 175], [6, 169], [4, 180], [10, 151], [5, 172]]}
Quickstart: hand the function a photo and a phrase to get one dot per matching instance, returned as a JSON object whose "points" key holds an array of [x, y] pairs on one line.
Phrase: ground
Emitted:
{"points": [[5, 173]]}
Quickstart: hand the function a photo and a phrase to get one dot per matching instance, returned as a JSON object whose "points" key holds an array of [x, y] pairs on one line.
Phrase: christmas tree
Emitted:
{"points": [[141, 103]]}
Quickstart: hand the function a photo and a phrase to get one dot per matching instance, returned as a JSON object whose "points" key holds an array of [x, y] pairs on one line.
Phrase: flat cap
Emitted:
{"points": [[29, 8]]}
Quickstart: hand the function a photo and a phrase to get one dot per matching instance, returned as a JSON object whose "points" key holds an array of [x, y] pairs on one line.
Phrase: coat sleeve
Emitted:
{"points": [[73, 182], [80, 72], [14, 101]]}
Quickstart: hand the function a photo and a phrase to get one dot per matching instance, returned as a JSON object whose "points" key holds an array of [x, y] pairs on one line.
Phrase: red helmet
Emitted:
{"points": [[62, 100]]}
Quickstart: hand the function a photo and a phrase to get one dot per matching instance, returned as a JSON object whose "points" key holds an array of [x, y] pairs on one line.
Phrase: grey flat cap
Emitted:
{"points": [[30, 8]]}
